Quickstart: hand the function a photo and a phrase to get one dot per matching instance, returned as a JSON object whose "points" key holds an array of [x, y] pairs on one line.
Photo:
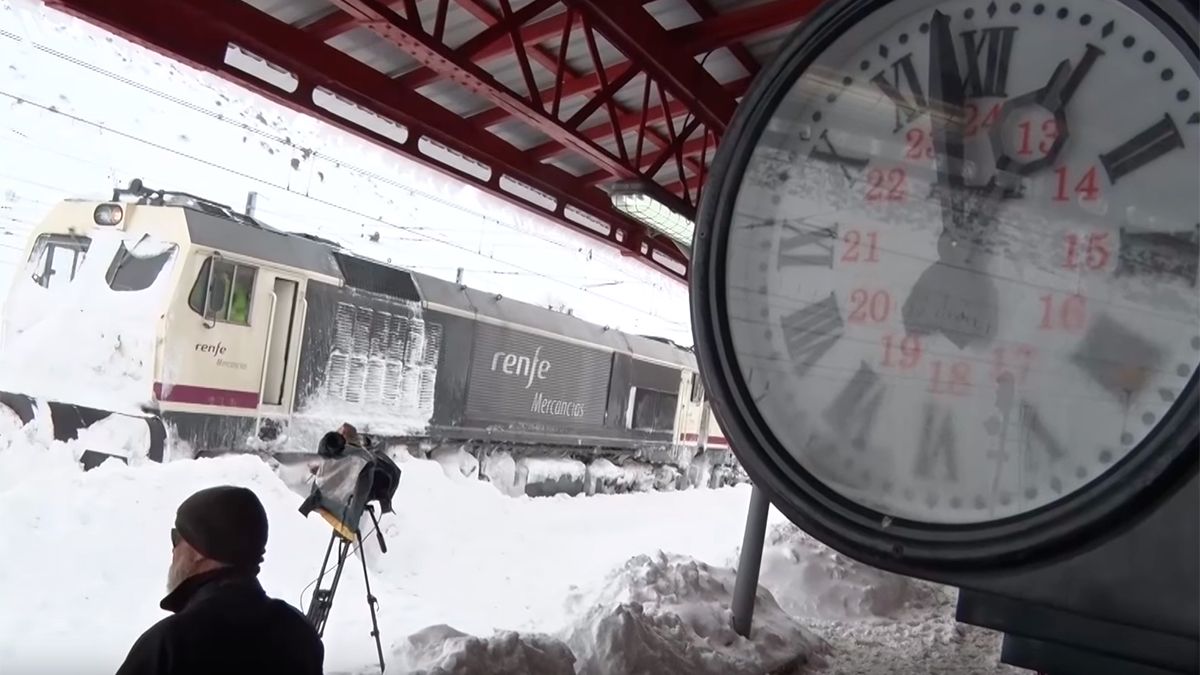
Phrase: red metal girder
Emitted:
{"points": [[688, 149], [635, 33], [490, 18], [581, 85], [391, 26], [741, 24], [491, 43], [696, 146], [619, 74], [335, 23], [693, 183], [631, 121], [740, 52], [198, 32]]}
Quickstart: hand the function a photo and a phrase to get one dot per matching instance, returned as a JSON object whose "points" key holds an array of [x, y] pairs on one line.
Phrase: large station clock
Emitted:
{"points": [[945, 274]]}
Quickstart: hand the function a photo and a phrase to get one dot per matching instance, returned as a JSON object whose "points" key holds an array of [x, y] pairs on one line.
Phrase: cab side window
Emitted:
{"points": [[56, 258], [228, 288], [653, 410]]}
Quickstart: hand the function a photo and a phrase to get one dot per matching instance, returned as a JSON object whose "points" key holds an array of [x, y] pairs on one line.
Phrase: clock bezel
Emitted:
{"points": [[1164, 458]]}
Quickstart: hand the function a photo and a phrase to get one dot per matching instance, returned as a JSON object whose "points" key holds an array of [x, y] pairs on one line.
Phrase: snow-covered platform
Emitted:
{"points": [[474, 581]]}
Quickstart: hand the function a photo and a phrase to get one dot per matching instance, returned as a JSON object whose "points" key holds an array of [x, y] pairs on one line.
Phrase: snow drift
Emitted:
{"points": [[812, 580], [669, 614], [472, 578], [442, 650], [87, 344]]}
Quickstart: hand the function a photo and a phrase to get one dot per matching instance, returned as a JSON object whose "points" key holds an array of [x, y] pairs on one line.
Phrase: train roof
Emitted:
{"points": [[217, 226]]}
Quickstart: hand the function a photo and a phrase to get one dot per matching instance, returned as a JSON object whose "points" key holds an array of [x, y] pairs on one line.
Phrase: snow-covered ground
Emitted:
{"points": [[634, 583], [85, 111]]}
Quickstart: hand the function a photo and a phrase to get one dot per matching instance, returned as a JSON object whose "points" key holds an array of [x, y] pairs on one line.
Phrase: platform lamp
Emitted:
{"points": [[632, 198]]}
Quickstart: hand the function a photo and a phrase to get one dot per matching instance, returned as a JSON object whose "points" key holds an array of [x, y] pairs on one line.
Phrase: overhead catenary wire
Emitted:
{"points": [[341, 163], [346, 209]]}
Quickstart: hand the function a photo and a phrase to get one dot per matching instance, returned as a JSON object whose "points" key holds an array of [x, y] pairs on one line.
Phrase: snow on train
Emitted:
{"points": [[161, 325]]}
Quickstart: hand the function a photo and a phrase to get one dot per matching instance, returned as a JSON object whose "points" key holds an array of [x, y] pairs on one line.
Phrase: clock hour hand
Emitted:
{"points": [[950, 297]]}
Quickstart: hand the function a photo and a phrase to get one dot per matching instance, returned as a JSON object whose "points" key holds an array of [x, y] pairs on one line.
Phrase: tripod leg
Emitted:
{"points": [[318, 604], [371, 602], [322, 602]]}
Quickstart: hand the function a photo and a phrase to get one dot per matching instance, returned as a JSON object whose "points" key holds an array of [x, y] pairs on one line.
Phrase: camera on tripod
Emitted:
{"points": [[351, 476]]}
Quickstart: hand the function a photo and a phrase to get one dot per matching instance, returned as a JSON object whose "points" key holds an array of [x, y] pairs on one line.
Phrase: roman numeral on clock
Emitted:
{"points": [[904, 74], [806, 245], [1036, 440], [1158, 253], [811, 331], [938, 448], [1148, 145], [854, 410], [992, 78], [832, 155]]}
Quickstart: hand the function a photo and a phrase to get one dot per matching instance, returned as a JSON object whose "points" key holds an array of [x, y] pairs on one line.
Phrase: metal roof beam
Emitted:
{"points": [[632, 120], [634, 32], [740, 24], [405, 34], [199, 32], [490, 18], [491, 43], [740, 52]]}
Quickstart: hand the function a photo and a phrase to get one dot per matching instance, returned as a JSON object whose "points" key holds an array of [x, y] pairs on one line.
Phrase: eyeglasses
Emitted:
{"points": [[175, 537]]}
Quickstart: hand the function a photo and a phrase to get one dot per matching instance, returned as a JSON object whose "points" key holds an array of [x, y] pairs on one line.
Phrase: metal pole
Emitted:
{"points": [[251, 203], [458, 276], [746, 586]]}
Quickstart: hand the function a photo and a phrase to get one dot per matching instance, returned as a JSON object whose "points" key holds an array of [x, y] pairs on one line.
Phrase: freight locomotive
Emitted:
{"points": [[160, 325]]}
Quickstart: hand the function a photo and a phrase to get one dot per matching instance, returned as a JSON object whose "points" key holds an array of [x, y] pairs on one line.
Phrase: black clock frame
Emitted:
{"points": [[1100, 509]]}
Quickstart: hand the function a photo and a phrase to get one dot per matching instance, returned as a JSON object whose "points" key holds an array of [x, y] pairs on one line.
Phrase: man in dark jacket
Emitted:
{"points": [[223, 622]]}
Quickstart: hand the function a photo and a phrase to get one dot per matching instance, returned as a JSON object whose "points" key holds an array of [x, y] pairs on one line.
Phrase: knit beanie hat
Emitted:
{"points": [[225, 523]]}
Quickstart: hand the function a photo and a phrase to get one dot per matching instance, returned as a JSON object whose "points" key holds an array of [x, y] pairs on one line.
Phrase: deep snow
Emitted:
{"points": [[634, 583]]}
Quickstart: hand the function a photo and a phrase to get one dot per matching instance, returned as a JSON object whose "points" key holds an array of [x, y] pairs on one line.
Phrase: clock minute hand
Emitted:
{"points": [[946, 102], [1057, 97], [1054, 97]]}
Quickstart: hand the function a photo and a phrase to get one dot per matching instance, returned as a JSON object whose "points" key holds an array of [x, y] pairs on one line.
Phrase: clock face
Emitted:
{"points": [[958, 313]]}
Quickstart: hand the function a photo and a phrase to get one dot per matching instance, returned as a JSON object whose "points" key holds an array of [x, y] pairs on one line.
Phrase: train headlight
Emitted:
{"points": [[108, 214]]}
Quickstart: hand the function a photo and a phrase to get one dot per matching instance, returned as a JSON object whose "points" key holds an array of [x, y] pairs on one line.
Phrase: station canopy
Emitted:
{"points": [[602, 115]]}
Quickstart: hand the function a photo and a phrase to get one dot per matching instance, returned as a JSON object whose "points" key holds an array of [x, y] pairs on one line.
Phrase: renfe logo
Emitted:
{"points": [[524, 366], [216, 350]]}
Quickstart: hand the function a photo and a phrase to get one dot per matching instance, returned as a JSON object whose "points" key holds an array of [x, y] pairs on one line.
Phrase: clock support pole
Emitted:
{"points": [[750, 562]]}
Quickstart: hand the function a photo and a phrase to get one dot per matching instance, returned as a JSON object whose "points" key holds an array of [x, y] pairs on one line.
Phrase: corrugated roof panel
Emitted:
{"points": [[364, 45], [460, 27], [570, 105], [672, 13], [292, 11], [454, 97], [572, 163], [519, 134], [507, 71], [723, 65], [579, 55]]}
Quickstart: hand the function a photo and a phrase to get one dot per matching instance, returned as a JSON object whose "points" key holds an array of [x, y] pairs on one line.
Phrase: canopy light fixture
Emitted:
{"points": [[630, 198]]}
